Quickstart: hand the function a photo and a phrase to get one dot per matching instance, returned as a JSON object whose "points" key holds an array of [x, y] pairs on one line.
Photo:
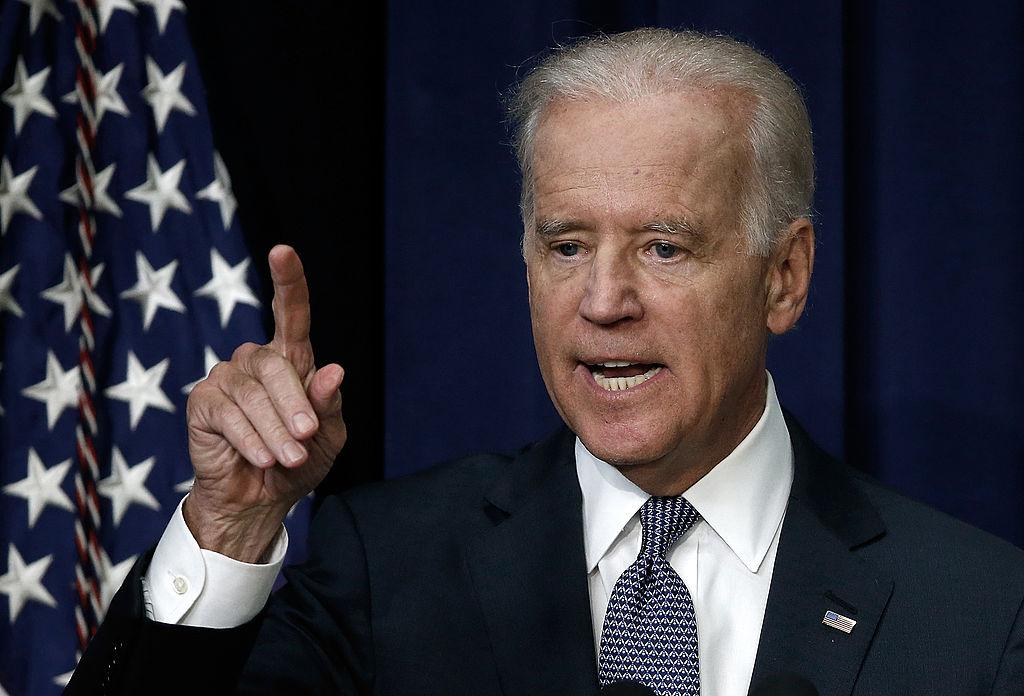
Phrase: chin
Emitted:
{"points": [[624, 444]]}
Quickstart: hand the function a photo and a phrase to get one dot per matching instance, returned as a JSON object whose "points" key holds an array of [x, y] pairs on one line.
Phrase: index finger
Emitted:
{"points": [[291, 301]]}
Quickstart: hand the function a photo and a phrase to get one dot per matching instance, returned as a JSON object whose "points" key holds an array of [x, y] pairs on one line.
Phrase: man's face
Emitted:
{"points": [[649, 314]]}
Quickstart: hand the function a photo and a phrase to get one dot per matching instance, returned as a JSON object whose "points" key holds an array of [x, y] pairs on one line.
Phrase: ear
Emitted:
{"points": [[789, 276]]}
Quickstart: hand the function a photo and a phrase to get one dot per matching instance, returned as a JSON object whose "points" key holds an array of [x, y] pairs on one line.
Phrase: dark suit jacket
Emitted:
{"points": [[470, 579]]}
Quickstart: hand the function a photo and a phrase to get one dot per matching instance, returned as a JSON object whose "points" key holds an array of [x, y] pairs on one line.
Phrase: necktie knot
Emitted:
{"points": [[663, 520]]}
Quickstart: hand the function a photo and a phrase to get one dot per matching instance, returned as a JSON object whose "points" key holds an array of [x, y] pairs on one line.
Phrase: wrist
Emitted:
{"points": [[244, 536]]}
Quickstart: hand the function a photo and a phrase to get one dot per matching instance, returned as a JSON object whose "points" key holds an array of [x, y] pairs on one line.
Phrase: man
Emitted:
{"points": [[683, 532]]}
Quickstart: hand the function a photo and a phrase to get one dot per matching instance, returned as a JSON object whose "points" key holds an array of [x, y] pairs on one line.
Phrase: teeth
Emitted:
{"points": [[616, 363], [623, 383]]}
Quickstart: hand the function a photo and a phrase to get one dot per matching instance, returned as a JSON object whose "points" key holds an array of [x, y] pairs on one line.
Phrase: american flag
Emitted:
{"points": [[123, 278]]}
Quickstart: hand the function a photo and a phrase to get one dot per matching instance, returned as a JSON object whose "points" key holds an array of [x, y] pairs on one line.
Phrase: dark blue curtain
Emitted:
{"points": [[908, 361]]}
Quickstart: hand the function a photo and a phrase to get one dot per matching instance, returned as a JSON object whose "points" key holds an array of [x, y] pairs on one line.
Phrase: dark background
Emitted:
{"points": [[376, 145], [296, 95]]}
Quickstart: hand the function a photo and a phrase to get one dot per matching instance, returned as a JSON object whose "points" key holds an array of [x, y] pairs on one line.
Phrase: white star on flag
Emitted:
{"points": [[36, 10], [25, 96], [227, 286], [68, 293], [41, 487], [105, 8], [152, 290], [7, 301], [141, 388], [163, 9], [219, 191], [127, 485], [14, 196], [101, 201], [160, 191], [185, 486], [61, 680], [107, 97], [111, 577], [210, 360], [164, 93], [23, 582], [58, 390]]}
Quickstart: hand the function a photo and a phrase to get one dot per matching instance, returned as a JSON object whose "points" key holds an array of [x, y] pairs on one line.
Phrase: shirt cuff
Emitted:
{"points": [[191, 586]]}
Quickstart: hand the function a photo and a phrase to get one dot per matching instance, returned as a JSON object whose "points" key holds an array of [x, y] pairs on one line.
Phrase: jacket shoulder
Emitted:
{"points": [[926, 537]]}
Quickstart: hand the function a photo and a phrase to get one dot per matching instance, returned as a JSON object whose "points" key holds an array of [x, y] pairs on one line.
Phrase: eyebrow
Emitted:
{"points": [[677, 227], [553, 228], [673, 227]]}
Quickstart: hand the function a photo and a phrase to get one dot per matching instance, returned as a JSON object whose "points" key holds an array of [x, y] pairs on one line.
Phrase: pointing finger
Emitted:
{"points": [[291, 307]]}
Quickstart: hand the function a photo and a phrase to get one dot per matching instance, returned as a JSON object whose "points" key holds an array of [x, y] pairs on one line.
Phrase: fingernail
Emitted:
{"points": [[293, 452], [303, 423]]}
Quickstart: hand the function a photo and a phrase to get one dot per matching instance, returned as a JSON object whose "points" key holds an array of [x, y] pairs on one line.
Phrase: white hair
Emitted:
{"points": [[779, 187]]}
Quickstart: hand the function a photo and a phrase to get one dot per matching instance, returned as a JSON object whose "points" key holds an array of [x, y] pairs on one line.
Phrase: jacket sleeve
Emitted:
{"points": [[313, 635]]}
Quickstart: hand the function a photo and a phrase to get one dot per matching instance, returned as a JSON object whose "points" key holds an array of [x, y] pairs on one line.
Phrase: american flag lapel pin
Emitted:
{"points": [[838, 621]]}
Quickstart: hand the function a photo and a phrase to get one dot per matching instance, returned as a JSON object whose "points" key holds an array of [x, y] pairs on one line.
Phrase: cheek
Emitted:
{"points": [[714, 327], [741, 327], [553, 294], [548, 308]]}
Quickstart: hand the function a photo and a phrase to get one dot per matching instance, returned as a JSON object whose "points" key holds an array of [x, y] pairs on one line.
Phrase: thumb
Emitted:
{"points": [[324, 390]]}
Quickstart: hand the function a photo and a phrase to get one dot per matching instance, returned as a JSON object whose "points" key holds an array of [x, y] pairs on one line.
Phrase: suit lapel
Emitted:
{"points": [[529, 572], [815, 571]]}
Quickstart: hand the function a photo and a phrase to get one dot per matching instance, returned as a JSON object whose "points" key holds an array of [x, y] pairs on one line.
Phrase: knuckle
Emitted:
{"points": [[199, 399], [243, 351], [277, 434], [270, 365], [199, 392], [235, 421], [251, 393], [252, 442], [219, 373]]}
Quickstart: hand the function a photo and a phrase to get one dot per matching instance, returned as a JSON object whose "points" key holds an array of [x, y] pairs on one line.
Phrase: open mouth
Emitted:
{"points": [[619, 375]]}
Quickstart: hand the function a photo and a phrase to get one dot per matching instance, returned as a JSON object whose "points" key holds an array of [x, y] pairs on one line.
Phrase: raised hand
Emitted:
{"points": [[263, 428]]}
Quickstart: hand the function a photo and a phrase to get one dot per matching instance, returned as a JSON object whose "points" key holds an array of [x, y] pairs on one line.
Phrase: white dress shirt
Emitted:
{"points": [[726, 559], [191, 586]]}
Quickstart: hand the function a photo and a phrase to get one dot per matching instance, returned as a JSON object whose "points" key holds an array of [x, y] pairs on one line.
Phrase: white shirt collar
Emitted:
{"points": [[743, 498]]}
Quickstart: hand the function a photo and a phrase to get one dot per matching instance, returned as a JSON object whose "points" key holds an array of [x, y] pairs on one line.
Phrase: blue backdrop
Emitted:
{"points": [[907, 362]]}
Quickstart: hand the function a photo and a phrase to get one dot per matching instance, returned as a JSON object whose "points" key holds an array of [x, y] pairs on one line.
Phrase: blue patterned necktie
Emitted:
{"points": [[650, 630]]}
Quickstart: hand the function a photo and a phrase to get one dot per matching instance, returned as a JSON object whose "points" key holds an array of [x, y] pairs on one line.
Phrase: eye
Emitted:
{"points": [[665, 250], [568, 248]]}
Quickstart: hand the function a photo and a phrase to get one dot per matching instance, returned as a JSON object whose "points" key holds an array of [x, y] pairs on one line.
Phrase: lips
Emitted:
{"points": [[620, 375]]}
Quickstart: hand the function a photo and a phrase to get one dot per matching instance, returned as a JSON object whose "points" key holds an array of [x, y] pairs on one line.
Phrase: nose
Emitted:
{"points": [[610, 296]]}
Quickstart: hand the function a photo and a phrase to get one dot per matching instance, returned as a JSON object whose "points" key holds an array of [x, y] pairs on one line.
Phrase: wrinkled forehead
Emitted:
{"points": [[692, 139], [710, 117]]}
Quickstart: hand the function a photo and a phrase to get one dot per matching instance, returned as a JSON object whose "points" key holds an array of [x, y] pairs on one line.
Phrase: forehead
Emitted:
{"points": [[677, 147]]}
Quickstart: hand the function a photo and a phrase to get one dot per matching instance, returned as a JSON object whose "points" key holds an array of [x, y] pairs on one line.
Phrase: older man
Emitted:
{"points": [[683, 532]]}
